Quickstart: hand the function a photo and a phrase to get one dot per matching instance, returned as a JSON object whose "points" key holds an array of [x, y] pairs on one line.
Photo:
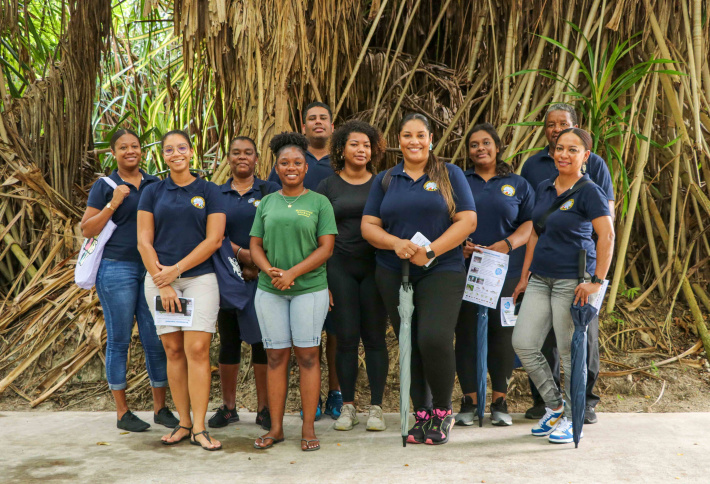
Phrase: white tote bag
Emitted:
{"points": [[87, 265]]}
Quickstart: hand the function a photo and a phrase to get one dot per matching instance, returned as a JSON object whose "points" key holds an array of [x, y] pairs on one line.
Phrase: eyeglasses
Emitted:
{"points": [[182, 149]]}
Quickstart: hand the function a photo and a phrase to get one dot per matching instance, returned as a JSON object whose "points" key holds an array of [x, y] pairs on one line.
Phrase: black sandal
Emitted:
{"points": [[174, 442], [273, 440], [194, 441], [308, 442]]}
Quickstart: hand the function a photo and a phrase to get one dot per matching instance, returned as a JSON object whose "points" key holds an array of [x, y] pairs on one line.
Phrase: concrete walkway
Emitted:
{"points": [[87, 447]]}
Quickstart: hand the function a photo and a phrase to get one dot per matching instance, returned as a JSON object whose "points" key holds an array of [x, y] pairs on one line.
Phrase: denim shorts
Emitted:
{"points": [[287, 321]]}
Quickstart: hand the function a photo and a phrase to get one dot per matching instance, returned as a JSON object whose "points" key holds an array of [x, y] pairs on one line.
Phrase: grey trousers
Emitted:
{"points": [[546, 305]]}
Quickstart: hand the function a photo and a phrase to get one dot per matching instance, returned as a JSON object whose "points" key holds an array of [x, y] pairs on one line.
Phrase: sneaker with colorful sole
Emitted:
{"points": [[548, 422]]}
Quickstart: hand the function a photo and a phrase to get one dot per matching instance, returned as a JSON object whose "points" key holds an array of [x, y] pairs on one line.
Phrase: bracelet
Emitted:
{"points": [[510, 246], [238, 251], [177, 266]]}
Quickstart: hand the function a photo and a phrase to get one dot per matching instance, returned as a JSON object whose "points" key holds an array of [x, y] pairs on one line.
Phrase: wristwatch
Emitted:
{"points": [[429, 253], [596, 280], [108, 205]]}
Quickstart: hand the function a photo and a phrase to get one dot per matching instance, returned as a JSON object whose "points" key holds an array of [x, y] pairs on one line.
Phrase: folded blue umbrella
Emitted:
{"points": [[482, 361], [581, 316], [405, 309]]}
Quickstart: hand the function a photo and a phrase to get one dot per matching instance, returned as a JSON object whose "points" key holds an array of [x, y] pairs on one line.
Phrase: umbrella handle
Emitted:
{"points": [[581, 265], [405, 271]]}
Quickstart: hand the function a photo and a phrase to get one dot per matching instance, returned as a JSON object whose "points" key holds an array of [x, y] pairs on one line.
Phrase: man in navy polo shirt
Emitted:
{"points": [[317, 127], [536, 169]]}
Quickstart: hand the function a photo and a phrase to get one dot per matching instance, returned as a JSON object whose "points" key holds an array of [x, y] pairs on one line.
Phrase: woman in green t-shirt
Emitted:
{"points": [[292, 237]]}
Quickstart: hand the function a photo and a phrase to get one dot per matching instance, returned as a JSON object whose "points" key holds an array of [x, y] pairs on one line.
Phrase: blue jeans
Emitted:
{"points": [[119, 285]]}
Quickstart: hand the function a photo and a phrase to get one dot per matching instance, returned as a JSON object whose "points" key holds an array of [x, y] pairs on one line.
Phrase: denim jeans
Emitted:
{"points": [[287, 321], [119, 285], [546, 305]]}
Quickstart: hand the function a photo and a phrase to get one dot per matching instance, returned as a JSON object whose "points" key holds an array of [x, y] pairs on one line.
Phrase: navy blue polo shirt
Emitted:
{"points": [[503, 204], [241, 209], [411, 206], [180, 217], [318, 170], [567, 230], [541, 167], [123, 244]]}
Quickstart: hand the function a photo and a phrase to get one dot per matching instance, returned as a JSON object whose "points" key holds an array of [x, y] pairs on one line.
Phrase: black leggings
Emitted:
{"points": [[501, 356], [437, 300], [230, 341], [358, 312]]}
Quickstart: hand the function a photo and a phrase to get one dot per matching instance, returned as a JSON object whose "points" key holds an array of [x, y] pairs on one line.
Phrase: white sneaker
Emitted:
{"points": [[563, 433], [375, 421], [348, 418]]}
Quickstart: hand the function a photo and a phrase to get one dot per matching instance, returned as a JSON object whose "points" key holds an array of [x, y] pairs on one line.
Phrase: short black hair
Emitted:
{"points": [[178, 132], [340, 138], [244, 138], [286, 139], [316, 104], [121, 132]]}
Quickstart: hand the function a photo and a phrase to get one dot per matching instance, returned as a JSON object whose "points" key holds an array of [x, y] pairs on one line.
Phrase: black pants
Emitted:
{"points": [[230, 341], [437, 300], [549, 351], [358, 312], [501, 356]]}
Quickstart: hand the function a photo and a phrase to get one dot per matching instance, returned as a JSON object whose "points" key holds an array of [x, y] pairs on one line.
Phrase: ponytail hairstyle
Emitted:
{"points": [[435, 169], [502, 168], [120, 132]]}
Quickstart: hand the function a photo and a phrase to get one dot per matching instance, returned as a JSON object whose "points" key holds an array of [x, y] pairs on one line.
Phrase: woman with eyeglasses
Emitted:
{"points": [[181, 223]]}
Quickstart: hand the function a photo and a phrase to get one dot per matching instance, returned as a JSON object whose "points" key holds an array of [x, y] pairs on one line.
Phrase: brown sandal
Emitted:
{"points": [[206, 434]]}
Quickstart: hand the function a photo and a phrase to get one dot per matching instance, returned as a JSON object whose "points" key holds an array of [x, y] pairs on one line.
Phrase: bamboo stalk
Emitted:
{"points": [[635, 190], [651, 239]]}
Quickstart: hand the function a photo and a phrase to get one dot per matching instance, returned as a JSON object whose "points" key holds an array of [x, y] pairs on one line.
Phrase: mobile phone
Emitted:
{"points": [[159, 306], [518, 304]]}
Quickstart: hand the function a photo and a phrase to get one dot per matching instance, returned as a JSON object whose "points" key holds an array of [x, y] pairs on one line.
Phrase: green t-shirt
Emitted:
{"points": [[291, 234]]}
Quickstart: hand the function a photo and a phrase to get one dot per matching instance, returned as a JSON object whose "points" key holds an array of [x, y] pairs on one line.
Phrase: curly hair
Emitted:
{"points": [[502, 168], [286, 139], [340, 138]]}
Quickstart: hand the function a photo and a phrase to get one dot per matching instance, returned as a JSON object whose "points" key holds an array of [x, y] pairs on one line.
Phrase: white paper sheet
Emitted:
{"points": [[486, 277], [162, 318], [422, 241], [600, 295], [507, 312]]}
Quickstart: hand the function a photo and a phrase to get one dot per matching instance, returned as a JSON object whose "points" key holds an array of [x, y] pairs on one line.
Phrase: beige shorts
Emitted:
{"points": [[203, 289]]}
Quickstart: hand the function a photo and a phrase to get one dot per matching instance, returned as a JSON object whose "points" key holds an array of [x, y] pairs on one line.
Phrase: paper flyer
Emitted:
{"points": [[184, 319], [485, 278]]}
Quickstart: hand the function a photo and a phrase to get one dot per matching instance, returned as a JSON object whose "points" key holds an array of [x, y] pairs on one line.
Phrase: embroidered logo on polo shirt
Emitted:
{"points": [[431, 186], [508, 190], [257, 202], [198, 202], [251, 200], [567, 205]]}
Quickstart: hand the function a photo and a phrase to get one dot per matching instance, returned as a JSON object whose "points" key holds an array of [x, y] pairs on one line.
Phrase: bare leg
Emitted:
{"points": [[121, 405], [228, 375], [158, 398], [496, 396], [177, 378], [277, 377], [309, 367], [260, 379], [197, 349], [330, 349]]}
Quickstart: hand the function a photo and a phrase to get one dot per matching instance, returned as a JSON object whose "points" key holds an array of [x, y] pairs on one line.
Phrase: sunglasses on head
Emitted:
{"points": [[182, 149]]}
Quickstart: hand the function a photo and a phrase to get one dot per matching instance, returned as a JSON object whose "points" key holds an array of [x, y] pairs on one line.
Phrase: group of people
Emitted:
{"points": [[320, 246]]}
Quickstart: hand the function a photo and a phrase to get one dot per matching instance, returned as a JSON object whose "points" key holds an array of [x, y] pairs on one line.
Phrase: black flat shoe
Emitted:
{"points": [[166, 418], [132, 423]]}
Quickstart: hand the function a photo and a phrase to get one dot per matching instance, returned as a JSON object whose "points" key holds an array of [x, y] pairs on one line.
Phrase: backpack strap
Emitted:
{"points": [[386, 180], [539, 226], [262, 189], [109, 182]]}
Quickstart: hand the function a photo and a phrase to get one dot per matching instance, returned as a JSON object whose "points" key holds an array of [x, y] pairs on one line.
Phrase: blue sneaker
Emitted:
{"points": [[548, 422], [563, 433], [319, 412], [334, 404]]}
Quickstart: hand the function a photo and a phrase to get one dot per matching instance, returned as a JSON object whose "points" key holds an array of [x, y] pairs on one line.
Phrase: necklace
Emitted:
{"points": [[234, 186], [287, 203]]}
